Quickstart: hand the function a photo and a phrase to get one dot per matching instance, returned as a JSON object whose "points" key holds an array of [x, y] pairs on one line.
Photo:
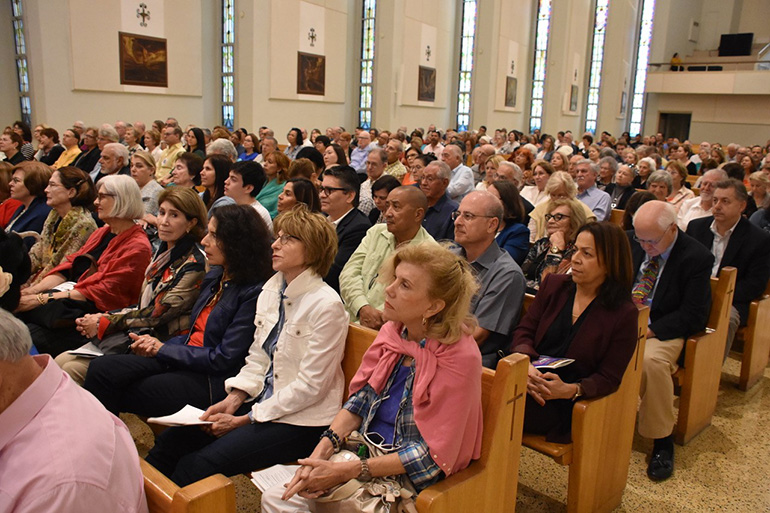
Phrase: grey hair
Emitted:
{"points": [[517, 172], [720, 173], [224, 147], [650, 162], [661, 176], [382, 154], [15, 341], [735, 185], [444, 171], [128, 196], [120, 151], [108, 132], [611, 161], [594, 168]]}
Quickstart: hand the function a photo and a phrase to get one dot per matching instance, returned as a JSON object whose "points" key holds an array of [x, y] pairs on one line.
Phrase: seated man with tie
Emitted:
{"points": [[672, 278], [735, 242]]}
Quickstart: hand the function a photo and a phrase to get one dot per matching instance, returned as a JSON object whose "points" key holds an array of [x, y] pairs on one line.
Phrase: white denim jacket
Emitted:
{"points": [[307, 374]]}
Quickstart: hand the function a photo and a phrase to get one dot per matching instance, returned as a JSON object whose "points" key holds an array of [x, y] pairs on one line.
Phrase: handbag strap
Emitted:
{"points": [[341, 492]]}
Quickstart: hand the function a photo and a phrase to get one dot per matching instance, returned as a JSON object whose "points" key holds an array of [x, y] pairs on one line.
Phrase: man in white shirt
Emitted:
{"points": [[269, 145], [700, 206], [461, 182], [244, 183], [434, 146], [375, 168], [598, 201]]}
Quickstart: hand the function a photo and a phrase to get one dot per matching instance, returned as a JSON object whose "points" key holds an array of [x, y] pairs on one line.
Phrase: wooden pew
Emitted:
{"points": [[616, 216], [215, 494], [488, 484], [756, 342], [602, 435], [699, 378]]}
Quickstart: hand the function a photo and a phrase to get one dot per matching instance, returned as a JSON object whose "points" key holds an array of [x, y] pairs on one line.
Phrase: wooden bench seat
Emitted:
{"points": [[488, 484], [756, 342], [616, 216], [699, 377], [602, 435]]}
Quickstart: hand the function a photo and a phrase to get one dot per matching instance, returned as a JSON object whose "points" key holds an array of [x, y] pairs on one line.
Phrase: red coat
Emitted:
{"points": [[117, 281], [7, 209]]}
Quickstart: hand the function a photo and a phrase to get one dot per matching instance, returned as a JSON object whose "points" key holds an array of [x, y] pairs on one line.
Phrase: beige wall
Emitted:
{"points": [[723, 118], [573, 21], [266, 57], [398, 50], [58, 97], [498, 42]]}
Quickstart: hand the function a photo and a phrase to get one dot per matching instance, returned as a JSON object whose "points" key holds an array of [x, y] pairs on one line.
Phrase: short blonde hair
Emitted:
{"points": [[316, 233], [146, 156], [577, 217], [128, 197], [451, 280], [761, 177], [561, 179]]}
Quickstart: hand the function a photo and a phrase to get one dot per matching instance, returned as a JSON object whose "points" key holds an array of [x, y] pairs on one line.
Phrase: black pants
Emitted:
{"points": [[55, 341], [187, 454], [553, 420], [135, 384]]}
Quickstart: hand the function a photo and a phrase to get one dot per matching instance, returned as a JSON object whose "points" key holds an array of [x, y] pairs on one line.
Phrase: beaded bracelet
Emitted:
{"points": [[334, 438]]}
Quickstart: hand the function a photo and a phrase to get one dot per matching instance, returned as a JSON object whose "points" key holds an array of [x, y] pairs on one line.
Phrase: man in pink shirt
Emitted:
{"points": [[60, 450]]}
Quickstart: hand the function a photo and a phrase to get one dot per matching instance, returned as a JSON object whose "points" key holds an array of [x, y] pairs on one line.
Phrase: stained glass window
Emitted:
{"points": [[597, 57], [541, 53], [22, 67], [367, 65], [466, 64], [228, 64], [640, 75]]}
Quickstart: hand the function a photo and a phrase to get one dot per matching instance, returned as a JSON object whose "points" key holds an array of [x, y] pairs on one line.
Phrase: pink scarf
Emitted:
{"points": [[446, 394]]}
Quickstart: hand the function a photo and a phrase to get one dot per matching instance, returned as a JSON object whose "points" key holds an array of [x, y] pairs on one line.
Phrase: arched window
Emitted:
{"points": [[538, 73], [640, 75], [466, 64], [365, 95], [22, 68], [597, 58], [228, 64]]}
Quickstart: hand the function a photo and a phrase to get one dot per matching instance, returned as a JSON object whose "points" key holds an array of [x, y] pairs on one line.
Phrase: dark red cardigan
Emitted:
{"points": [[602, 347], [120, 269]]}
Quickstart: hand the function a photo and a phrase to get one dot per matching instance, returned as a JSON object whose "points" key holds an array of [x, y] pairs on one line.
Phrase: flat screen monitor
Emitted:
{"points": [[731, 45]]}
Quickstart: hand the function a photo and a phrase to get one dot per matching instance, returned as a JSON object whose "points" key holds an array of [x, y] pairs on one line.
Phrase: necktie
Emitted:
{"points": [[643, 288], [269, 346]]}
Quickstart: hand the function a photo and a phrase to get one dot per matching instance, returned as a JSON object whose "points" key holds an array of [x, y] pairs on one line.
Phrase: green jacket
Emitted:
{"points": [[358, 281]]}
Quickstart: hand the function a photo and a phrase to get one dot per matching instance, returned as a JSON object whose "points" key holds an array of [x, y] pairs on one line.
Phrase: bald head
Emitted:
{"points": [[405, 211], [480, 215], [487, 150], [411, 196], [655, 227]]}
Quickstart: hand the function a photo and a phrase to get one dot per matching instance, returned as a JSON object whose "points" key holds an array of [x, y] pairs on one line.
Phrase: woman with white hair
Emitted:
{"points": [[659, 183], [105, 274], [645, 167]]}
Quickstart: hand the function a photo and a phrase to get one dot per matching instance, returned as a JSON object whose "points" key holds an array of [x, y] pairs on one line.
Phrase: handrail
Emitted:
{"points": [[763, 50], [702, 63]]}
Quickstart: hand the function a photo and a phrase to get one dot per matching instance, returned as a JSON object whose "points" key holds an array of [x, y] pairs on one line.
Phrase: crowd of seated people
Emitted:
{"points": [[220, 269]]}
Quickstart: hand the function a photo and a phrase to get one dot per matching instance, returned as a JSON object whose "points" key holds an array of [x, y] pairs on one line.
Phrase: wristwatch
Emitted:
{"points": [[364, 475], [555, 250]]}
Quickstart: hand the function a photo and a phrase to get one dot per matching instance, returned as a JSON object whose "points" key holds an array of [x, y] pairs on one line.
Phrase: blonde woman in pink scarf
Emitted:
{"points": [[418, 390]]}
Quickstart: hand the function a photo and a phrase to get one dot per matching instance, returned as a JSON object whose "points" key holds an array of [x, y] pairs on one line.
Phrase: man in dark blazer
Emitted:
{"points": [[339, 199], [735, 242], [679, 297]]}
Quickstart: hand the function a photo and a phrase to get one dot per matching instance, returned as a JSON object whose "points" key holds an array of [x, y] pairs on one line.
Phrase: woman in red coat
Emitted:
{"points": [[105, 274], [587, 316]]}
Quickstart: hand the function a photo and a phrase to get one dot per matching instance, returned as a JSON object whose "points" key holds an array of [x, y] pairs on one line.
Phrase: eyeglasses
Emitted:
{"points": [[556, 217], [655, 241], [102, 195], [467, 216], [329, 190], [54, 184], [285, 239]]}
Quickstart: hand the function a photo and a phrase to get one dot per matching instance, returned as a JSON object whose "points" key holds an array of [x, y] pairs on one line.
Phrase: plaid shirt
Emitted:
{"points": [[412, 449]]}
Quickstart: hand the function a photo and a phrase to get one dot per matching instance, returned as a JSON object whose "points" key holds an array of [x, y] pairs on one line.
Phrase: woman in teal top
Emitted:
{"points": [[276, 166]]}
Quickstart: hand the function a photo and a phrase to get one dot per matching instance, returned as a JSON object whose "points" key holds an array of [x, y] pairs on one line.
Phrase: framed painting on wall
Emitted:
{"points": [[510, 91], [311, 74], [426, 87], [143, 60], [573, 99]]}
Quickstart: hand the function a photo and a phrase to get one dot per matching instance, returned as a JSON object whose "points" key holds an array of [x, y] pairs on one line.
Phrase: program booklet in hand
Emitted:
{"points": [[273, 476], [187, 416], [549, 362]]}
